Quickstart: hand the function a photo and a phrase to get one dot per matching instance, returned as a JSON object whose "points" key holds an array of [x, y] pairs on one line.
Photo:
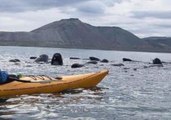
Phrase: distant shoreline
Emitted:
{"points": [[88, 49]]}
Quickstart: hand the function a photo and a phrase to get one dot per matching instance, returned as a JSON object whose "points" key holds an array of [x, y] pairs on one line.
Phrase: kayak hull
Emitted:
{"points": [[65, 83]]}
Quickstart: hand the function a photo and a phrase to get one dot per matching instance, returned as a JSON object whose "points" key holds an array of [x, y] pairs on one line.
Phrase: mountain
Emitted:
{"points": [[73, 33], [159, 44]]}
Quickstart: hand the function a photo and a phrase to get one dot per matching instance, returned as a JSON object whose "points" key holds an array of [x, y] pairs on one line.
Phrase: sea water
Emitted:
{"points": [[134, 91]]}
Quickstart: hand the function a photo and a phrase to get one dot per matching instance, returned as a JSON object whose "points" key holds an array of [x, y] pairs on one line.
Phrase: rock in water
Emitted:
{"points": [[33, 57], [76, 65], [94, 58], [74, 58], [14, 60], [126, 59], [91, 62], [57, 59], [118, 65], [104, 61], [157, 61], [42, 58]]}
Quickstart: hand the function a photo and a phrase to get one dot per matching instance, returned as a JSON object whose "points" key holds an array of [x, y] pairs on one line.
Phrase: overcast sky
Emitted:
{"points": [[141, 17]]}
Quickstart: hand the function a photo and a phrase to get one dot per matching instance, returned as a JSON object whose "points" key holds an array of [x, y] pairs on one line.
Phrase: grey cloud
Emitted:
{"points": [[112, 2], [91, 8], [31, 5], [155, 14], [27, 5], [95, 7], [166, 26]]}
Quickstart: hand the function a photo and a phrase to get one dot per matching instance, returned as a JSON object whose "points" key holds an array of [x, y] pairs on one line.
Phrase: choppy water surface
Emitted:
{"points": [[130, 92]]}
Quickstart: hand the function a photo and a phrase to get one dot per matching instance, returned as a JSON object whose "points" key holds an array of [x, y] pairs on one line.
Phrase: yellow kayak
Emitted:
{"points": [[44, 84]]}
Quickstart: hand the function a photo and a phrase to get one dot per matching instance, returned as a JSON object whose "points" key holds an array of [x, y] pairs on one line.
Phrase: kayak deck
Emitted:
{"points": [[66, 82]]}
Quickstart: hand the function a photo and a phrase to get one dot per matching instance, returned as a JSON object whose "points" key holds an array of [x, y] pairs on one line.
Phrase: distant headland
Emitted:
{"points": [[73, 33]]}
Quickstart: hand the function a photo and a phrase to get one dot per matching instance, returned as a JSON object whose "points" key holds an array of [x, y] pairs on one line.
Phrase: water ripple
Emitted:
{"points": [[130, 92]]}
